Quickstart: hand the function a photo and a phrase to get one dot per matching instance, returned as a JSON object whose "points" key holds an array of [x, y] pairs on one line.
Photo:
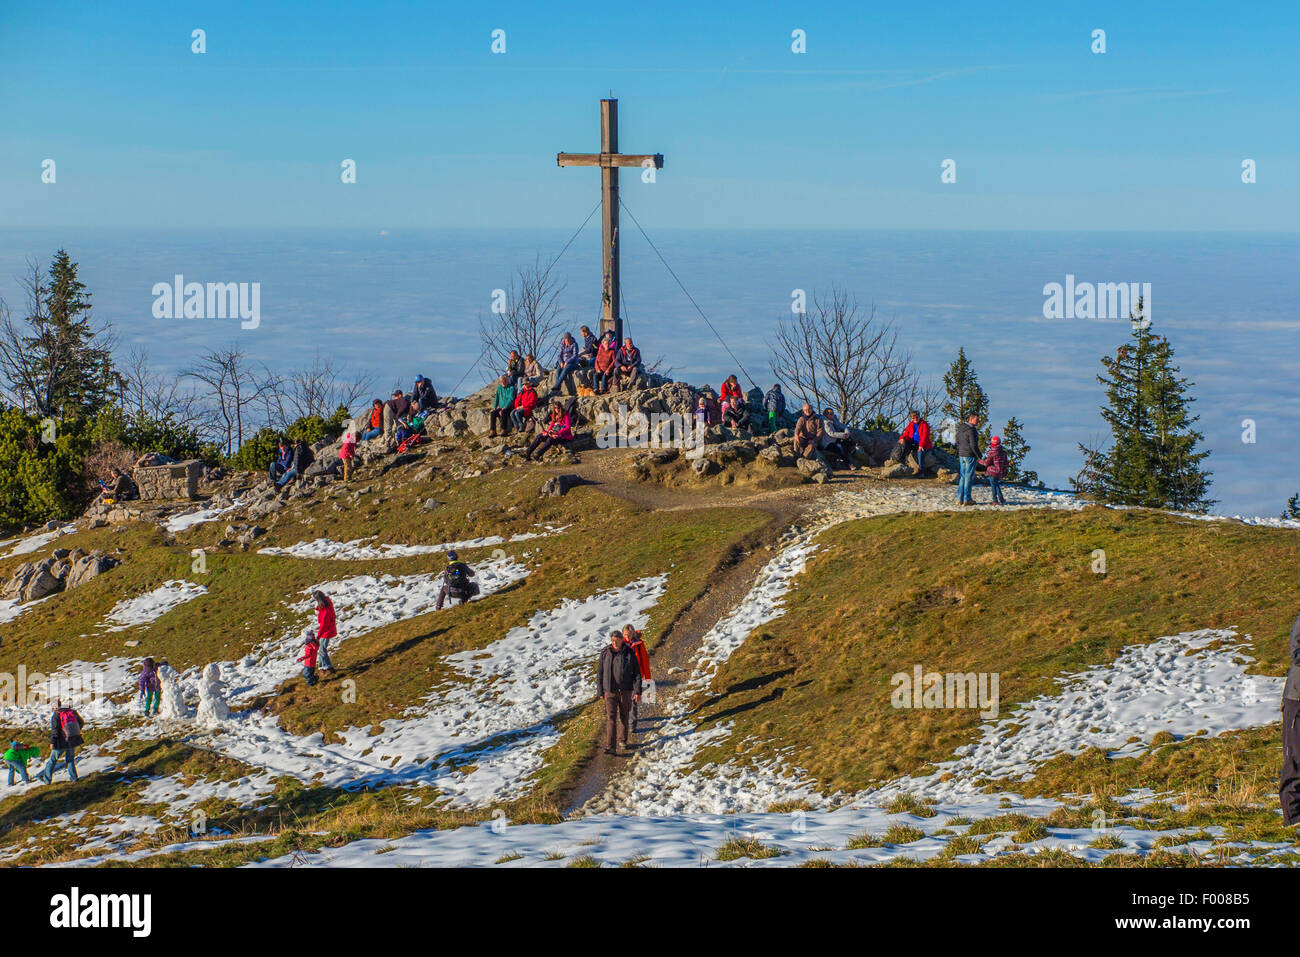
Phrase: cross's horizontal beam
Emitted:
{"points": [[609, 160]]}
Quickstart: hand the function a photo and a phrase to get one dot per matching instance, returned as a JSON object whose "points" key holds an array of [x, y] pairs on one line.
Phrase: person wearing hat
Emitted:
{"points": [[16, 758], [423, 393], [456, 581], [996, 467]]}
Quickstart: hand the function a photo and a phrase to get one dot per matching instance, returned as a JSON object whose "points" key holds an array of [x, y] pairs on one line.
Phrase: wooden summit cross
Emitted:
{"points": [[609, 159]]}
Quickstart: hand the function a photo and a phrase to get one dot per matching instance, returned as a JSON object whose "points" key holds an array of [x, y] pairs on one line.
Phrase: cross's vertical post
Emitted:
{"points": [[610, 317]]}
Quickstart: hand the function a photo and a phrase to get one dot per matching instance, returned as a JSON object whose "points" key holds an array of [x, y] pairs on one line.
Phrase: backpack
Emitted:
{"points": [[458, 582], [69, 723]]}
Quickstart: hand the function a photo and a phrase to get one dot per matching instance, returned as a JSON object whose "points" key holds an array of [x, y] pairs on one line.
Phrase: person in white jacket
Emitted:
{"points": [[836, 439]]}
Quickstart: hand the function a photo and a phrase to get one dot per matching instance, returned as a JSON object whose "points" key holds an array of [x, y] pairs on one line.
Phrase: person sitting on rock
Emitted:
{"points": [[303, 457], [423, 393], [376, 427], [629, 365], [566, 360], [532, 368], [457, 582], [558, 429], [502, 404], [774, 405], [118, 487], [588, 345], [395, 410], [914, 439], [731, 389], [521, 416], [605, 365], [734, 414], [514, 367], [836, 439], [283, 462], [808, 432]]}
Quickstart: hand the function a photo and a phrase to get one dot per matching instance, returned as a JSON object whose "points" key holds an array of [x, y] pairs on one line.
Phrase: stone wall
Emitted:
{"points": [[171, 481]]}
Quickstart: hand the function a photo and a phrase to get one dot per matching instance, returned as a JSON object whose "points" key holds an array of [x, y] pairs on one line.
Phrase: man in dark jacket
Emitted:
{"points": [[65, 738], [618, 682], [283, 462], [303, 457], [1290, 778], [424, 394], [456, 582], [968, 453]]}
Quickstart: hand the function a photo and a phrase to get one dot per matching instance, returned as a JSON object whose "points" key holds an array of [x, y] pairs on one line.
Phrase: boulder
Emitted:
{"points": [[558, 485], [33, 580], [89, 567]]}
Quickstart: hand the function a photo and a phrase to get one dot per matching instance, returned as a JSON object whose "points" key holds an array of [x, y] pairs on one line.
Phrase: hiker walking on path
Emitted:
{"points": [[1289, 783], [150, 686], [996, 467], [65, 738], [457, 582], [17, 757], [326, 628], [634, 641], [618, 683], [774, 403], [968, 453]]}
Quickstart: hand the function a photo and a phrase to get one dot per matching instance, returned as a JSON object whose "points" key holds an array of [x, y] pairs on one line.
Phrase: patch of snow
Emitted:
{"points": [[36, 542], [357, 550], [152, 605]]}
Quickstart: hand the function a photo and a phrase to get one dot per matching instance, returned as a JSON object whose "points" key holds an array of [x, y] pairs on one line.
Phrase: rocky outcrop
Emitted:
{"points": [[169, 481], [34, 580], [558, 485]]}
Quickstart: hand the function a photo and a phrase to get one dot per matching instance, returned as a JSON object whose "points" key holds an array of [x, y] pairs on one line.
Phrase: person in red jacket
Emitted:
{"points": [[632, 638], [915, 438], [731, 389], [326, 628], [308, 658], [558, 429], [525, 401]]}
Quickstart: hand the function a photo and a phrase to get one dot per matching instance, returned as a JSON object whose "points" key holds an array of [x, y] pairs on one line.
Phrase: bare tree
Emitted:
{"points": [[319, 390], [234, 387], [531, 320], [838, 357], [155, 395]]}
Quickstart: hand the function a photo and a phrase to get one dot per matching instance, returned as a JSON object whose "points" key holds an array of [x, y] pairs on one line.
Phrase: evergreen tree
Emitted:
{"points": [[1153, 460], [57, 363], [964, 396], [1017, 449], [1292, 509]]}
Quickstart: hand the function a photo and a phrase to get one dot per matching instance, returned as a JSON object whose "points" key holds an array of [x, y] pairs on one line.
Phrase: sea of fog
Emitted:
{"points": [[402, 302]]}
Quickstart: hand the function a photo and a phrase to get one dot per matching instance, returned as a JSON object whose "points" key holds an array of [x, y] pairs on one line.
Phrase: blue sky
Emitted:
{"points": [[1045, 134]]}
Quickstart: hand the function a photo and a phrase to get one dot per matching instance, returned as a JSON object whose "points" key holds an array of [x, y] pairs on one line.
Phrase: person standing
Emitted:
{"points": [[65, 738], [326, 628], [309, 657], [618, 683], [457, 582], [1289, 780], [996, 467], [347, 452], [637, 644], [968, 453], [774, 403], [150, 686]]}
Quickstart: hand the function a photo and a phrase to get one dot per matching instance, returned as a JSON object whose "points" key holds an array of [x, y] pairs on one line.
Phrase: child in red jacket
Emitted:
{"points": [[308, 657]]}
